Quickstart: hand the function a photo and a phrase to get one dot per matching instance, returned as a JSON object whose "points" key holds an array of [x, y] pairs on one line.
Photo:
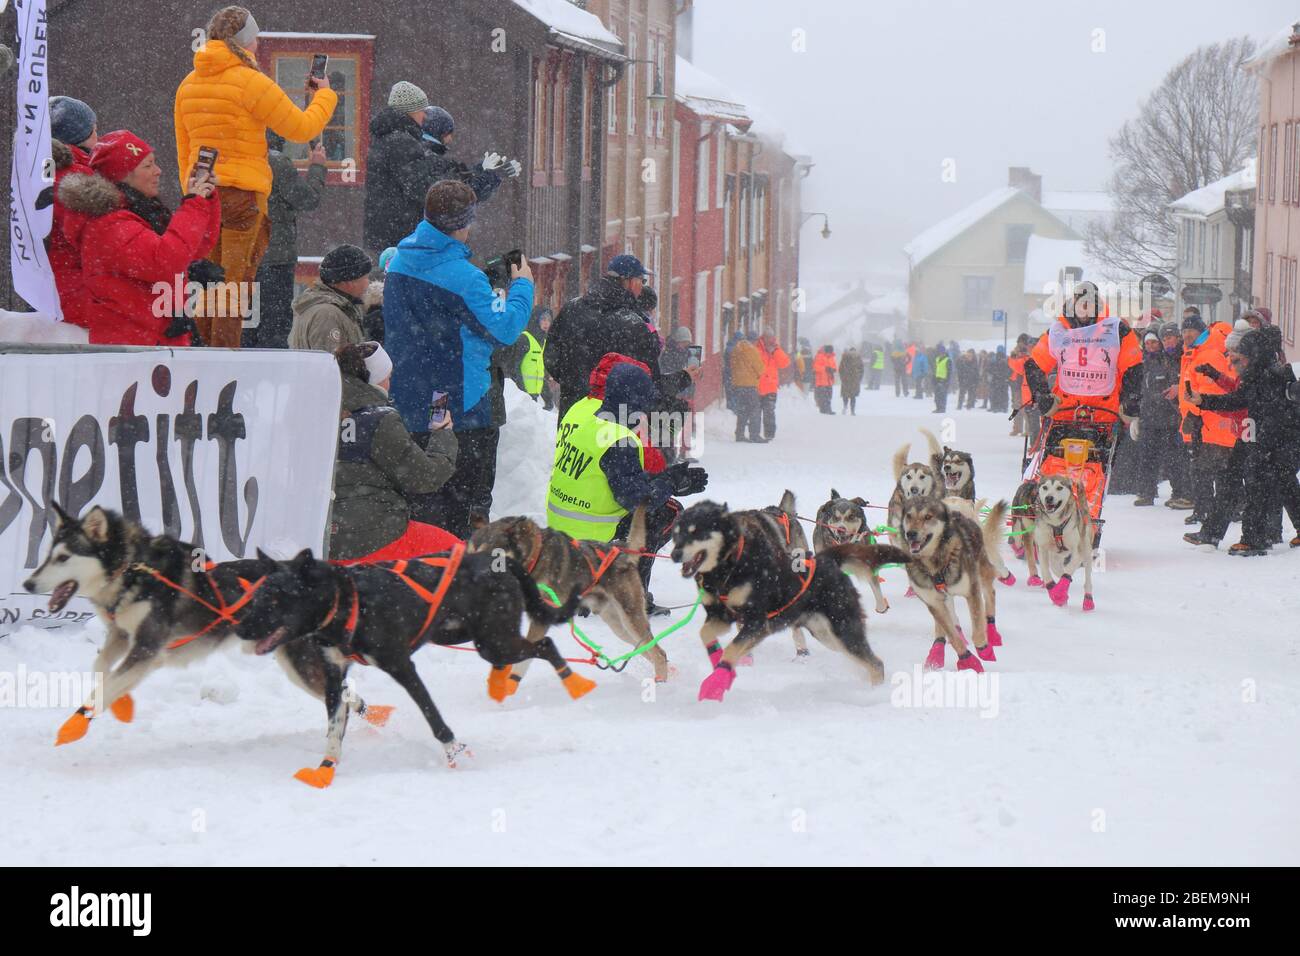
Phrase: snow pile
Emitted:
{"points": [[524, 457], [564, 17]]}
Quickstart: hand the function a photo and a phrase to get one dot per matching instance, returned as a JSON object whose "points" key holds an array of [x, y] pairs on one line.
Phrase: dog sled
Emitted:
{"points": [[1077, 443]]}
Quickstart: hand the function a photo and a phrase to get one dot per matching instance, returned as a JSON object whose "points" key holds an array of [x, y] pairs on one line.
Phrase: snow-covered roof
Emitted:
{"points": [[703, 94], [566, 19], [315, 36], [942, 233], [895, 301], [1077, 200], [1208, 200], [1276, 45], [1045, 258]]}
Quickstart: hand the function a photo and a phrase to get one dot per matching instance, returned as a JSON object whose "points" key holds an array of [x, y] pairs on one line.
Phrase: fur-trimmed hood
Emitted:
{"points": [[374, 295], [89, 194], [62, 154]]}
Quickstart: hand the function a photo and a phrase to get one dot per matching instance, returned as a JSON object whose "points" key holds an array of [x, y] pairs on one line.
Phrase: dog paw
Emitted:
{"points": [[882, 607], [986, 653], [670, 673], [498, 683], [577, 685], [1034, 581], [970, 663], [1088, 603], [994, 638], [1060, 592], [456, 751], [376, 715], [123, 708], [318, 777], [746, 661], [74, 728], [717, 684], [1009, 580], [934, 660]]}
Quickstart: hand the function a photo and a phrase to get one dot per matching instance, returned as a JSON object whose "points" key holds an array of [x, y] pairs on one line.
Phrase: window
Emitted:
{"points": [[1268, 280], [630, 78], [588, 118], [656, 263], [1295, 162], [1288, 328], [611, 108], [702, 174], [744, 210], [1247, 250], [728, 188], [1018, 241], [720, 183], [658, 81], [558, 93], [539, 115], [1286, 164], [717, 309], [677, 166], [286, 58], [760, 214], [1200, 231], [1272, 169], [977, 295], [701, 307], [782, 196], [1214, 250]]}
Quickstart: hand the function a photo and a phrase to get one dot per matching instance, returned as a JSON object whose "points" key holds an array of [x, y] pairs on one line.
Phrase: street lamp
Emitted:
{"points": [[826, 222]]}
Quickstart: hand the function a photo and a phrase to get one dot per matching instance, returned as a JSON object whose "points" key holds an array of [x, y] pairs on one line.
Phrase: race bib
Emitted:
{"points": [[1086, 358]]}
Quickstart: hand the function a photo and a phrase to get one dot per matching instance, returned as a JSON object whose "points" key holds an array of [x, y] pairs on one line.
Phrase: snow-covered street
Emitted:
{"points": [[1156, 730]]}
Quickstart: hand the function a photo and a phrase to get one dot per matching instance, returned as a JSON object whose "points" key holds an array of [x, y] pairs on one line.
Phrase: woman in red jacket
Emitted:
{"points": [[132, 246]]}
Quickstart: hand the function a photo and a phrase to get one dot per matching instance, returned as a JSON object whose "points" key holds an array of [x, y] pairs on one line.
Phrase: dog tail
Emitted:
{"points": [[862, 559], [636, 536], [936, 450], [992, 529], [539, 609], [900, 461]]}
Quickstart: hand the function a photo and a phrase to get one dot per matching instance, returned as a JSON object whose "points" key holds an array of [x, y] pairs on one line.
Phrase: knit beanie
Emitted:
{"points": [[438, 123], [407, 97], [118, 153], [449, 206], [343, 264], [1194, 321], [71, 121]]}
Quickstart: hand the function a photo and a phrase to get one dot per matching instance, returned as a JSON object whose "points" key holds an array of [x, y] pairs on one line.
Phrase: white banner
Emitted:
{"points": [[33, 170], [230, 451]]}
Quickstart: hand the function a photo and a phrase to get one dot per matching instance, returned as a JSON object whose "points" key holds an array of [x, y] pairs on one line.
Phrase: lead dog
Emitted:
{"points": [[949, 559], [911, 480], [381, 613], [748, 578], [603, 576], [1063, 535], [161, 608], [844, 521]]}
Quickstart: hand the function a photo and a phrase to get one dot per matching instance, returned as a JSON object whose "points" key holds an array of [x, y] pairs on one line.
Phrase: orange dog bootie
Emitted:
{"points": [[318, 777], [74, 728], [123, 708]]}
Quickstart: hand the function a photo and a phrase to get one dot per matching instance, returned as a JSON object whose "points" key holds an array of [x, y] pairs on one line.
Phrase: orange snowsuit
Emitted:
{"points": [[824, 369], [1217, 428], [1130, 355]]}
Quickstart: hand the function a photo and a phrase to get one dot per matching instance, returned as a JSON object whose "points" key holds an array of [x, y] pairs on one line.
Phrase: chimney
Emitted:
{"points": [[1024, 178]]}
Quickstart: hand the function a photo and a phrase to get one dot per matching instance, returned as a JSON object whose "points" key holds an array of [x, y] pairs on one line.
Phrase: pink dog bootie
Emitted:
{"points": [[1034, 581], [717, 684], [934, 660], [995, 639], [970, 663], [1088, 604], [1009, 580], [1060, 591]]}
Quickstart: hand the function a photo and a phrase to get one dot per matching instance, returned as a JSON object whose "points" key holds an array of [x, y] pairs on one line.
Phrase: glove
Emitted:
{"points": [[1210, 372], [1133, 429], [179, 326], [513, 168], [205, 271], [690, 481], [493, 160]]}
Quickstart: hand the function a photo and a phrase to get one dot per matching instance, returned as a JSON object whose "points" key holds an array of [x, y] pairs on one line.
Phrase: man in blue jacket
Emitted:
{"points": [[442, 322]]}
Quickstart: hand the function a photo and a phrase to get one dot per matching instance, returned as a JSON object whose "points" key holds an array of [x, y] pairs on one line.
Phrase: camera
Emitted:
{"points": [[498, 268], [1293, 392]]}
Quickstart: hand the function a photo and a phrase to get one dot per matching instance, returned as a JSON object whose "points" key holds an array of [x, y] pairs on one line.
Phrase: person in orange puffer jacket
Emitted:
{"points": [[227, 102], [1205, 369], [774, 360], [824, 369]]}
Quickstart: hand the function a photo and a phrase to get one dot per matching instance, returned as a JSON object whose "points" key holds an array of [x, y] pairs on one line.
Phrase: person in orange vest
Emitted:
{"points": [[911, 358], [774, 360], [824, 369], [1211, 435]]}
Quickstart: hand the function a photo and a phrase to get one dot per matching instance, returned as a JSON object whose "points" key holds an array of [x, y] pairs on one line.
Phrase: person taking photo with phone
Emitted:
{"points": [[227, 102]]}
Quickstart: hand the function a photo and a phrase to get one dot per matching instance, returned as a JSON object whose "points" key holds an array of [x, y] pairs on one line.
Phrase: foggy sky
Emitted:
{"points": [[889, 89]]}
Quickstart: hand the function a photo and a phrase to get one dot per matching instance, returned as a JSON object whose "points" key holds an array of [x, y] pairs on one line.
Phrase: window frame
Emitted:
{"points": [[703, 173], [361, 48], [1272, 179]]}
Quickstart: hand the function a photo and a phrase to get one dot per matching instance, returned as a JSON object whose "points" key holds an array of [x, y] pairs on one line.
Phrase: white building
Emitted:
{"points": [[1213, 251]]}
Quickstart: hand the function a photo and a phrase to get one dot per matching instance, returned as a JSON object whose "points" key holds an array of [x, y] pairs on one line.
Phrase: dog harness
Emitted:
{"points": [[803, 588], [222, 612], [449, 562]]}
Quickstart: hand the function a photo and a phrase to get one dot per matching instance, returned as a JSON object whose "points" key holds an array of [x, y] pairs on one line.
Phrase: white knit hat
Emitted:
{"points": [[407, 97], [378, 365], [1233, 339]]}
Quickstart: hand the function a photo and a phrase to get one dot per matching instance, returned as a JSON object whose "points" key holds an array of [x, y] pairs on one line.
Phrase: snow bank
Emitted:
{"points": [[526, 451]]}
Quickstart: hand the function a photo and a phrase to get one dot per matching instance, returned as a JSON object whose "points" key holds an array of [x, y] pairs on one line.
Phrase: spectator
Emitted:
{"points": [[523, 362], [774, 360], [606, 319], [127, 240], [942, 367], [290, 195], [1160, 450], [73, 134], [807, 364], [443, 322], [824, 368], [851, 371], [968, 379], [747, 369], [380, 473], [898, 362], [399, 170], [678, 361], [999, 381], [1266, 392], [329, 314], [228, 102], [877, 368], [1211, 433], [736, 336], [437, 132], [920, 372]]}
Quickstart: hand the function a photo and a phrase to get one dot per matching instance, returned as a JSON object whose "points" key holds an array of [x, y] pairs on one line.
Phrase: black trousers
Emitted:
{"points": [[1271, 485], [1229, 469], [900, 383], [275, 300], [749, 420], [1160, 456], [469, 489], [822, 393], [1211, 480], [767, 405], [940, 394], [873, 382], [658, 530], [965, 395]]}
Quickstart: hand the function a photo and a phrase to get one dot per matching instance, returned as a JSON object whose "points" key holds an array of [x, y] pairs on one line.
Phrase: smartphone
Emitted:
{"points": [[206, 162], [697, 354], [438, 411], [318, 64]]}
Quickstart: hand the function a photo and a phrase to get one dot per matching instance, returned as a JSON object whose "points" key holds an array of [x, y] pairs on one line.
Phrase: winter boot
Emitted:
{"points": [[1200, 537], [1243, 549], [1143, 501]]}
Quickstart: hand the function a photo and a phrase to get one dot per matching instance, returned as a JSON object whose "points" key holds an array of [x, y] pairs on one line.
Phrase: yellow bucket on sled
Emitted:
{"points": [[1075, 451]]}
